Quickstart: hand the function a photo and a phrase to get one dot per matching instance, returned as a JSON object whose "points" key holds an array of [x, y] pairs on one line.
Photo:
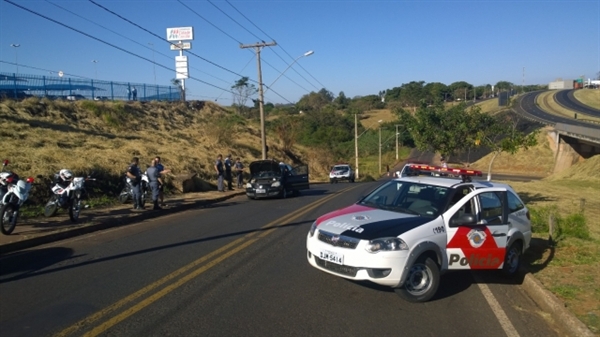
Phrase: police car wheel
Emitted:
{"points": [[512, 260], [422, 281]]}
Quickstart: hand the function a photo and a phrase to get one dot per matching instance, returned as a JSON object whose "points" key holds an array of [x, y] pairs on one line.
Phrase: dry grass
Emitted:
{"points": [[371, 118], [490, 106], [41, 137], [547, 103], [535, 161], [589, 97]]}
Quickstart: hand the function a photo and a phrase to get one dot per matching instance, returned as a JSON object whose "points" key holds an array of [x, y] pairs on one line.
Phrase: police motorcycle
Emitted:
{"points": [[67, 193], [13, 193], [127, 192]]}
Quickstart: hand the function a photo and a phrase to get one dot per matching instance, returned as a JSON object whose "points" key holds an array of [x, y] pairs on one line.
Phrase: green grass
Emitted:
{"points": [[566, 291]]}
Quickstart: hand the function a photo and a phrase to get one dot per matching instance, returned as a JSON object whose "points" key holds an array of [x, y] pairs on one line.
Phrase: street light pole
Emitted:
{"points": [[356, 145], [95, 69], [397, 141], [263, 137], [308, 53], [153, 62], [16, 46]]}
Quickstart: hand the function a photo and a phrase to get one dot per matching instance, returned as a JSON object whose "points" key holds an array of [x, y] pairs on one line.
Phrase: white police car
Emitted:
{"points": [[341, 172], [410, 229]]}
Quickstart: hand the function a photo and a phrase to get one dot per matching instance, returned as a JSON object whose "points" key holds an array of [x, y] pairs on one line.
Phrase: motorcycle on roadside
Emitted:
{"points": [[127, 193], [13, 193], [69, 197]]}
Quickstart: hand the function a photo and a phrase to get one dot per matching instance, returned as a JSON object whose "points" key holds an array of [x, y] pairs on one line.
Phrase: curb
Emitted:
{"points": [[557, 309], [108, 223]]}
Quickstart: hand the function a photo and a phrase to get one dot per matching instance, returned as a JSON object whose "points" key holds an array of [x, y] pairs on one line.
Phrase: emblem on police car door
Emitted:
{"points": [[360, 218], [476, 238]]}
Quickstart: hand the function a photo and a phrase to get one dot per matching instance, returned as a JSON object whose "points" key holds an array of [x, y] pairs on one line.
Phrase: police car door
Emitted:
{"points": [[477, 228]]}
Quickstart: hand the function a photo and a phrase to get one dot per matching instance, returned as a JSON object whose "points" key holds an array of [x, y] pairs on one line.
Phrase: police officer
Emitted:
{"points": [[155, 182], [228, 175], [220, 172], [135, 175], [239, 170]]}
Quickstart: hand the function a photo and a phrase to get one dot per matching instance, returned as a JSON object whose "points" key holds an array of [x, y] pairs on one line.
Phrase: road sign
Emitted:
{"points": [[181, 46], [180, 33], [181, 67]]}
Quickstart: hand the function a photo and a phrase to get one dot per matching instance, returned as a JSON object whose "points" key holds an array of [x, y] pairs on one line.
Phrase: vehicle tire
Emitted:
{"points": [[124, 196], [75, 209], [8, 219], [512, 260], [352, 180], [422, 281], [331, 181], [51, 206]]}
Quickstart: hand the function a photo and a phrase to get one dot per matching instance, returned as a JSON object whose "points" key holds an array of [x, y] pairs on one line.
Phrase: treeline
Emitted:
{"points": [[321, 119]]}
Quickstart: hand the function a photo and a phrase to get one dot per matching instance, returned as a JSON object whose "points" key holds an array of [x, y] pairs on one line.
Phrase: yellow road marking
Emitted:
{"points": [[241, 243]]}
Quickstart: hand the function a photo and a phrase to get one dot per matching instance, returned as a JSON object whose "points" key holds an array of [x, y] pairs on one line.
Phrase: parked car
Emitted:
{"points": [[411, 229], [270, 179], [341, 172]]}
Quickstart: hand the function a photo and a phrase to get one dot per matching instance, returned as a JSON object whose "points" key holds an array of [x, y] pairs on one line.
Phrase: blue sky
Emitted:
{"points": [[360, 47]]}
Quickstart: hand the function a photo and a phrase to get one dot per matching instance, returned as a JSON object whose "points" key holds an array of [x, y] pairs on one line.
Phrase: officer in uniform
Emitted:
{"points": [[220, 172], [155, 182], [228, 175], [135, 175]]}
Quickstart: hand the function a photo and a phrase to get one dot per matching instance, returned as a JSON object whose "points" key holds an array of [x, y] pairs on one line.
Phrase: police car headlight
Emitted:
{"points": [[386, 244], [276, 184], [313, 228], [248, 185]]}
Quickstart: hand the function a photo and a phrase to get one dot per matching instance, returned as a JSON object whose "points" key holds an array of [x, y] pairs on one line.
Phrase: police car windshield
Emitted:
{"points": [[409, 197]]}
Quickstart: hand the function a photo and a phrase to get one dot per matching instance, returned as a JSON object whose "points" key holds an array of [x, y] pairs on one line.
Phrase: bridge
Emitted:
{"points": [[574, 140]]}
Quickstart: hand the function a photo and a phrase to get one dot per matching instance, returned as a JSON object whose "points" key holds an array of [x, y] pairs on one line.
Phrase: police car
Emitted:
{"points": [[411, 229]]}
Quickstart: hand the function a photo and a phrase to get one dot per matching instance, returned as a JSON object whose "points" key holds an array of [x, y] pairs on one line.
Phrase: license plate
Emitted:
{"points": [[261, 190], [331, 257]]}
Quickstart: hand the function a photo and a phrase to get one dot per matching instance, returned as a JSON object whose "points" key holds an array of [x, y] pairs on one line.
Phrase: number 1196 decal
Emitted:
{"points": [[439, 230]]}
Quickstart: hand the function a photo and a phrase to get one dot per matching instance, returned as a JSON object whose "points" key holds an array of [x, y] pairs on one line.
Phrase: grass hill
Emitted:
{"points": [[41, 136]]}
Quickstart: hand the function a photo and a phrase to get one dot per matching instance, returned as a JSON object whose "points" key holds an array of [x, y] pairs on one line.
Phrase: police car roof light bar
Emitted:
{"points": [[464, 174]]}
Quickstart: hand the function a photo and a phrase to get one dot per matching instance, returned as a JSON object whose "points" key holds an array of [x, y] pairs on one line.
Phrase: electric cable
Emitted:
{"points": [[125, 37], [198, 56]]}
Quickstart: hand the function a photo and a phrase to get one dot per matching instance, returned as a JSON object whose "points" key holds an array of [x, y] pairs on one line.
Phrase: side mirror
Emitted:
{"points": [[466, 219]]}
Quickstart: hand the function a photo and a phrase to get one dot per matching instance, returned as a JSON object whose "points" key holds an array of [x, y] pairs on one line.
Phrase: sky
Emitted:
{"points": [[360, 47]]}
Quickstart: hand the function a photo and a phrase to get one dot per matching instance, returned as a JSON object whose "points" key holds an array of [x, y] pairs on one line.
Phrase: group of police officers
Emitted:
{"points": [[155, 181]]}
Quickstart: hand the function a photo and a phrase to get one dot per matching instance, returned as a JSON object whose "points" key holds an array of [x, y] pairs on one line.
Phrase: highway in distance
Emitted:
{"points": [[238, 268]]}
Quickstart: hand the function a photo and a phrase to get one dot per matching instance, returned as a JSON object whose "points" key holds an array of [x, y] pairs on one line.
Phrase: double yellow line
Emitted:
{"points": [[206, 262]]}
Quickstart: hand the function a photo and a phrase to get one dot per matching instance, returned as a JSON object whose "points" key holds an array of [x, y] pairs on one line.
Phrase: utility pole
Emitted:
{"points": [[356, 144], [257, 47], [397, 141]]}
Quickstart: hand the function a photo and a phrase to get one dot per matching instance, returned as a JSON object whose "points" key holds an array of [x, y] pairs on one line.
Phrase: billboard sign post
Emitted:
{"points": [[180, 34]]}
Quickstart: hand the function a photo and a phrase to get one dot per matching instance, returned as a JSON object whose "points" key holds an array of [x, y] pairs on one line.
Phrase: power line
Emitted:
{"points": [[42, 69], [125, 37], [234, 39], [153, 34], [107, 43], [239, 24], [322, 86]]}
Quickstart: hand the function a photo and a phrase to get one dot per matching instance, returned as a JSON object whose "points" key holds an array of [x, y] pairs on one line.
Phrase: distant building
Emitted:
{"points": [[560, 84]]}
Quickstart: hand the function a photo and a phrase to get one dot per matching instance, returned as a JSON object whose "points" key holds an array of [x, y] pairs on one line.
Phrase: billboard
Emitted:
{"points": [[181, 67], [180, 33]]}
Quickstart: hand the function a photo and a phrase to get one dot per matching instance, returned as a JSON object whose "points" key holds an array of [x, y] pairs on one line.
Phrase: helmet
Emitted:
{"points": [[66, 174]]}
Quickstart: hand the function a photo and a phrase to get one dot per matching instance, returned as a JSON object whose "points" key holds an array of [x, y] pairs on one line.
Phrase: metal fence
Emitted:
{"points": [[19, 86]]}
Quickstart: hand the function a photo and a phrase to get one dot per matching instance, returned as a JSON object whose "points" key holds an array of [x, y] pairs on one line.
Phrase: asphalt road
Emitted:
{"points": [[528, 106], [567, 100], [237, 268]]}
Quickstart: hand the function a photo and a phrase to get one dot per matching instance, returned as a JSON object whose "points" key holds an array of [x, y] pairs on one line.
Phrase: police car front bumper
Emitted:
{"points": [[263, 191], [384, 267]]}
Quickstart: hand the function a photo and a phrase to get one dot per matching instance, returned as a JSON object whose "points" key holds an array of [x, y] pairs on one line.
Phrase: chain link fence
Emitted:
{"points": [[20, 86]]}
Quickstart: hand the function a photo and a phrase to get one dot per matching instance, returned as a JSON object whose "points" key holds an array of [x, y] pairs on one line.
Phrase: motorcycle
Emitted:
{"points": [[13, 193], [127, 193], [69, 198]]}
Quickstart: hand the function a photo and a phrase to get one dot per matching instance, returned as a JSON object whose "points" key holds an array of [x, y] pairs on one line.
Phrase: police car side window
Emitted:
{"points": [[491, 208], [514, 204]]}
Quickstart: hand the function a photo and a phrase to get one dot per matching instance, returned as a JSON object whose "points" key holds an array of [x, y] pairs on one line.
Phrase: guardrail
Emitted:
{"points": [[19, 86]]}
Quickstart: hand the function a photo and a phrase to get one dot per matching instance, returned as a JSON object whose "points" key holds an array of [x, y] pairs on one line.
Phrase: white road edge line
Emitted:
{"points": [[507, 326]]}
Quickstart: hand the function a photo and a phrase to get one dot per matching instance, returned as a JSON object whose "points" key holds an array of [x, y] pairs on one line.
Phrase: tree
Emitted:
{"points": [[341, 101], [315, 101], [436, 129], [242, 90], [501, 134], [177, 82]]}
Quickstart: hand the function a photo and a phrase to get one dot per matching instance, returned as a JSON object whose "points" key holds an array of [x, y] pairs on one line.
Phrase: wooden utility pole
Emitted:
{"points": [[257, 47]]}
